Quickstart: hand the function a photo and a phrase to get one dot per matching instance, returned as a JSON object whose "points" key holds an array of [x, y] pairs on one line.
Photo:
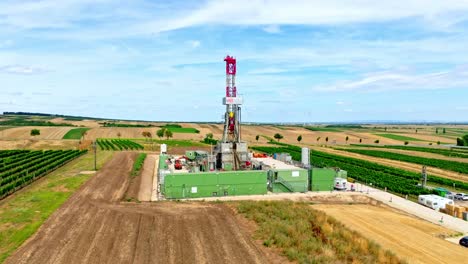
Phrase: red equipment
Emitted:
{"points": [[178, 165]]}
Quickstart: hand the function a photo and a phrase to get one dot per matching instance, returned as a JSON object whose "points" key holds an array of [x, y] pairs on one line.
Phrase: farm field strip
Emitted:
{"points": [[75, 133], [118, 144], [442, 164], [444, 152], [20, 170], [399, 137], [395, 180]]}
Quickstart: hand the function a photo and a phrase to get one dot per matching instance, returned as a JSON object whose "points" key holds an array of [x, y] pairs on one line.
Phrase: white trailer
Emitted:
{"points": [[434, 201], [340, 184]]}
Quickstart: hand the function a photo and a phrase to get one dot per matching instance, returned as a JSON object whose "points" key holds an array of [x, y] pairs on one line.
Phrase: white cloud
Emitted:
{"points": [[272, 29], [380, 81], [194, 43], [340, 103], [6, 43], [21, 69], [325, 12]]}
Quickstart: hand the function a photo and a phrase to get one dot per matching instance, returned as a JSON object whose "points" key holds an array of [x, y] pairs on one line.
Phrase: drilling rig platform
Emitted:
{"points": [[230, 169]]}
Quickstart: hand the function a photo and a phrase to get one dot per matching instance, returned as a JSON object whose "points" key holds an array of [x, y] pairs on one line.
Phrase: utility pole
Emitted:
{"points": [[424, 176], [94, 147]]}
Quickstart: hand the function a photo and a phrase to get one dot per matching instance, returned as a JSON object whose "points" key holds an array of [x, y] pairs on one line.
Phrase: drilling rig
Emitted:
{"points": [[231, 153]]}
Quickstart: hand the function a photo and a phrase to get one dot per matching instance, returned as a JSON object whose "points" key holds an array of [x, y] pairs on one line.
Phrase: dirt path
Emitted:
{"points": [[147, 175], [415, 241], [399, 164], [94, 227]]}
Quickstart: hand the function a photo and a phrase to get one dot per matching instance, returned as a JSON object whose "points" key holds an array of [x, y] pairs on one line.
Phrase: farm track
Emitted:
{"points": [[398, 164], [93, 226]]}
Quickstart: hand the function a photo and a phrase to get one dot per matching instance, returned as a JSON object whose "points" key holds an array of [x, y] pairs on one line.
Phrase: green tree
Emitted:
{"points": [[406, 142], [443, 130], [437, 130], [278, 136], [347, 138], [257, 137], [377, 141], [119, 135], [385, 129], [299, 138], [168, 133], [438, 142], [209, 136], [460, 142], [416, 130], [160, 133], [318, 139], [35, 132], [326, 139], [360, 140]]}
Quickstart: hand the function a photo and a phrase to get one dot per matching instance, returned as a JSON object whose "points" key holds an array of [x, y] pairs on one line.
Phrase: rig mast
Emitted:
{"points": [[231, 153]]}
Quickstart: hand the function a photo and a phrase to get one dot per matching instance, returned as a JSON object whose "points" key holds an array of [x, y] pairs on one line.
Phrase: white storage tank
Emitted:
{"points": [[305, 159], [163, 148]]}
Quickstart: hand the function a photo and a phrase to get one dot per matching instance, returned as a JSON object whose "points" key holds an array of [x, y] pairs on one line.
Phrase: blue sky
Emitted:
{"points": [[298, 61]]}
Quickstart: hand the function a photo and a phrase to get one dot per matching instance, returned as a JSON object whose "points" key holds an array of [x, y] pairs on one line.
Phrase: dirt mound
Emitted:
{"points": [[93, 226]]}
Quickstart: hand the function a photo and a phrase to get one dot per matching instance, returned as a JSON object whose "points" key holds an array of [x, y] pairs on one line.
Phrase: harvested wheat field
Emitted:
{"points": [[412, 239], [25, 132], [93, 226], [37, 144]]}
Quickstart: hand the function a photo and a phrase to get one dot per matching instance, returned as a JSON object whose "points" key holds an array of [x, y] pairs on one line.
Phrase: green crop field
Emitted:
{"points": [[75, 133], [395, 180], [444, 152], [23, 213], [324, 129], [399, 137], [460, 167], [19, 168], [118, 144], [183, 130]]}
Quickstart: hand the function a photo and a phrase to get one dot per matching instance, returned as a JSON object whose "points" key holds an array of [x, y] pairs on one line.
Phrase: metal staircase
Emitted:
{"points": [[286, 184]]}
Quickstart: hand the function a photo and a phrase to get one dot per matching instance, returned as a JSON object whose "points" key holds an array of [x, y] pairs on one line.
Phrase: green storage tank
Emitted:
{"points": [[322, 179], [288, 180], [190, 154], [208, 184]]}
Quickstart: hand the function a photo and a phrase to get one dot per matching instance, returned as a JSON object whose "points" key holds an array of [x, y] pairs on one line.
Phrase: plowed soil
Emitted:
{"points": [[93, 226], [414, 240]]}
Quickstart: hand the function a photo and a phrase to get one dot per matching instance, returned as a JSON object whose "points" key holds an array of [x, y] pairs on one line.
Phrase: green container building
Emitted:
{"points": [[295, 180], [208, 184], [322, 179], [162, 162]]}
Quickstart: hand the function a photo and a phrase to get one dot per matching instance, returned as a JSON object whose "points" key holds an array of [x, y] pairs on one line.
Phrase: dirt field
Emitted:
{"points": [[415, 240], [93, 226]]}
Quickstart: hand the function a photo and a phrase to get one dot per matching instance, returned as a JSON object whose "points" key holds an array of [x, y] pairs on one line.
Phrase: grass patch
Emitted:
{"points": [[22, 213], [75, 133], [324, 129], [180, 143], [399, 137], [306, 235], [138, 164], [25, 121]]}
